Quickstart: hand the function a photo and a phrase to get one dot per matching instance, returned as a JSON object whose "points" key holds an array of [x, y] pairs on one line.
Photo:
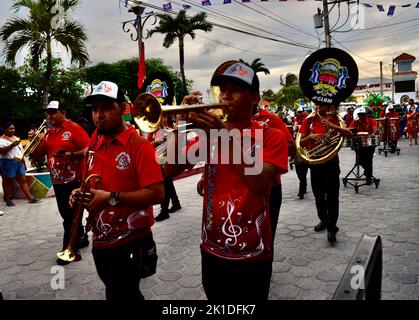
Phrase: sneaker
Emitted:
{"points": [[320, 227], [175, 207], [162, 216], [10, 203]]}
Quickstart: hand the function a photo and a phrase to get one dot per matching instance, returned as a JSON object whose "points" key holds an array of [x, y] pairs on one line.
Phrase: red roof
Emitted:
{"points": [[404, 56], [405, 72]]}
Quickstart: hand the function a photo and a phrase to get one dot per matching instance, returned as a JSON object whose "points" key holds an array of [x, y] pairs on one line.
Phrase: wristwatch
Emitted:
{"points": [[114, 199]]}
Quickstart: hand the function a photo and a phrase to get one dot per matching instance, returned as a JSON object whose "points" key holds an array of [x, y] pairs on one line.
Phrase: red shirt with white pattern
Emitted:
{"points": [[236, 222], [69, 137], [125, 163], [370, 125]]}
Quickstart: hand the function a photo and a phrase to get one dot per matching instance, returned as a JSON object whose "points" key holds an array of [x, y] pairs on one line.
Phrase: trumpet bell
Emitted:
{"points": [[69, 255]]}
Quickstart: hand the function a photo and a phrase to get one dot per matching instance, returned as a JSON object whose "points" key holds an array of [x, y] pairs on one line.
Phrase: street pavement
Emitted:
{"points": [[305, 265]]}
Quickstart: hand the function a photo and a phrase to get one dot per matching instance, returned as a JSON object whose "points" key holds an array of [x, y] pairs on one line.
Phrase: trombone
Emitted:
{"points": [[33, 144], [148, 112]]}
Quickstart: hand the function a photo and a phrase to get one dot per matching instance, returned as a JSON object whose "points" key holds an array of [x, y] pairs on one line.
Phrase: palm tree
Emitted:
{"points": [[257, 66], [38, 30], [179, 28]]}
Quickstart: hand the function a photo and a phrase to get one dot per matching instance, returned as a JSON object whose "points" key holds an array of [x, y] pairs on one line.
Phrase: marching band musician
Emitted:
{"points": [[64, 144], [120, 209], [325, 181], [236, 242], [270, 120], [393, 131], [366, 153], [301, 168], [412, 124]]}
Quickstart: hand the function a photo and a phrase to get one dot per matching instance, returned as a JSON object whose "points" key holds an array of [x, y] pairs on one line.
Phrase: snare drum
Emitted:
{"points": [[373, 140], [363, 139]]}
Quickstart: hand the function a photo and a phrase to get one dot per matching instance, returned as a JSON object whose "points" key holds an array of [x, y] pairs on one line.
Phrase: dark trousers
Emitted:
{"points": [[120, 269], [225, 279], [62, 195], [325, 184], [366, 155], [170, 193], [301, 169], [275, 202]]}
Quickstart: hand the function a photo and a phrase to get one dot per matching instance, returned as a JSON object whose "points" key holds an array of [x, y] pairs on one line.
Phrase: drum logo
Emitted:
{"points": [[158, 89], [123, 160], [328, 76]]}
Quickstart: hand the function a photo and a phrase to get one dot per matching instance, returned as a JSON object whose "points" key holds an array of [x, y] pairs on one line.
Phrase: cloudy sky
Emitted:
{"points": [[372, 37]]}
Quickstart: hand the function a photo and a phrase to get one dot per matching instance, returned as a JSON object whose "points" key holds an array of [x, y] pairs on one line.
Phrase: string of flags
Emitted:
{"points": [[390, 9]]}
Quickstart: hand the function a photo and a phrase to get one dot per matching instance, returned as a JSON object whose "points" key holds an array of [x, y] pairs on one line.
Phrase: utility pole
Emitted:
{"points": [[381, 77], [328, 42], [392, 80]]}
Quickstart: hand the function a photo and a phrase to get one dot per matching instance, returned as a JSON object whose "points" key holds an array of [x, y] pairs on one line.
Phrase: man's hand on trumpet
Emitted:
{"points": [[94, 201]]}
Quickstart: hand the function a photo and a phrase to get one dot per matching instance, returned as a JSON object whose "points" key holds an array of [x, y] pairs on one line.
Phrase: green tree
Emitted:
{"points": [[38, 30], [257, 66], [291, 92], [178, 28]]}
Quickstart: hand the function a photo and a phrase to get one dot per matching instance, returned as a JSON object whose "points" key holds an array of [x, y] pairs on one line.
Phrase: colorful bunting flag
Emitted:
{"points": [[367, 5], [227, 1], [244, 1], [167, 6], [417, 5], [186, 6], [380, 8], [125, 3], [206, 2], [391, 10], [406, 5]]}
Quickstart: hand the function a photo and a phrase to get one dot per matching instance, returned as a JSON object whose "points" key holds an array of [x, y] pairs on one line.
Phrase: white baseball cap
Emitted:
{"points": [[106, 90], [53, 105], [362, 110]]}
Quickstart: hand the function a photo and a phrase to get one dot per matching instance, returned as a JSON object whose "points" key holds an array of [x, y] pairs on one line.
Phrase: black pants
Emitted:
{"points": [[170, 193], [366, 155], [275, 202], [301, 170], [235, 280], [325, 184], [120, 269], [62, 195]]}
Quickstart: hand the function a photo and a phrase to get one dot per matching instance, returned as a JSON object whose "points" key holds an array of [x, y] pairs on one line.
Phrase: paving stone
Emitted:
{"points": [[403, 277], [328, 275], [27, 293]]}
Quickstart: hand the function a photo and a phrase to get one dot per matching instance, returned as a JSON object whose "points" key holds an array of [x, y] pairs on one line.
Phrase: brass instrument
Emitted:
{"points": [[71, 253], [148, 112], [33, 144], [324, 149]]}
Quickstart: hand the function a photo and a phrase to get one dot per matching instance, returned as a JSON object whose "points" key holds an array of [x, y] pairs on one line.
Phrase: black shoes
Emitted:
{"points": [[331, 236], [62, 262], [163, 215], [300, 195], [175, 207], [320, 227], [82, 242]]}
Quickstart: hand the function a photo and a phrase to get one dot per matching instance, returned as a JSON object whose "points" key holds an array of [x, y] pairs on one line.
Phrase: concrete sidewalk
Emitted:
{"points": [[305, 265]]}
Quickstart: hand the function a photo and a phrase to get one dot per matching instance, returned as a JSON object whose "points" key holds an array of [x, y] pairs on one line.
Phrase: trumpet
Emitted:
{"points": [[33, 144], [148, 113], [71, 253]]}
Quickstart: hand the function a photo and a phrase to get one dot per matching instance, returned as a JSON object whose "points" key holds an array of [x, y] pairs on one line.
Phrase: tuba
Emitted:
{"points": [[327, 77], [33, 144], [71, 253], [324, 149]]}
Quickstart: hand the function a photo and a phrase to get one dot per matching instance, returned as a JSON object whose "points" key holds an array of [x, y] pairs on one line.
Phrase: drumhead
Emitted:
{"points": [[328, 76]]}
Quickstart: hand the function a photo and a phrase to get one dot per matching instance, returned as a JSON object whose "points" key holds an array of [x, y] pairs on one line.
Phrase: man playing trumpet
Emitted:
{"points": [[236, 245]]}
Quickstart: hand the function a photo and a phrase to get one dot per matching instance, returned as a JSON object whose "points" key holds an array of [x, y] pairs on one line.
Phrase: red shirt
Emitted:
{"points": [[236, 222], [392, 114], [270, 120], [298, 120], [69, 137], [370, 125], [125, 163]]}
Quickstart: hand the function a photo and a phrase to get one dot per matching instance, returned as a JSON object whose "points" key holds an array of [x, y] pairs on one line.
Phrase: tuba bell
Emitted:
{"points": [[33, 144]]}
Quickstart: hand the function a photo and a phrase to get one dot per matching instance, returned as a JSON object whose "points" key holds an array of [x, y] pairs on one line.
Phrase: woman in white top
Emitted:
{"points": [[10, 148]]}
